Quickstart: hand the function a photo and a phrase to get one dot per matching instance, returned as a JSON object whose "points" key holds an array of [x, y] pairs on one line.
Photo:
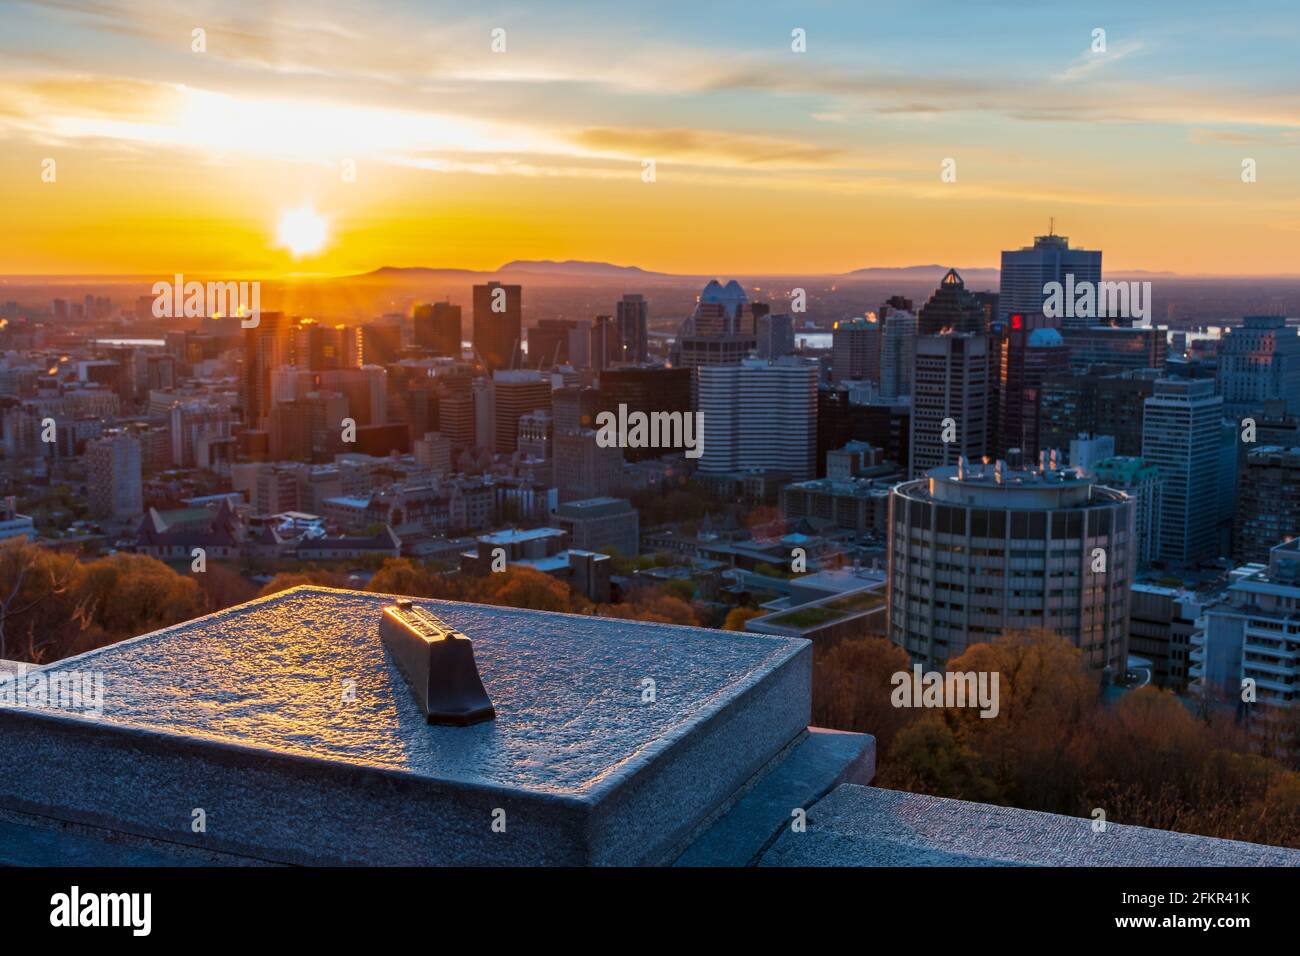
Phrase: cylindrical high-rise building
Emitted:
{"points": [[975, 550]]}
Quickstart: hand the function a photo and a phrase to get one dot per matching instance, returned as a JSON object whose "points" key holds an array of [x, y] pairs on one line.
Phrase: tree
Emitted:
{"points": [[39, 600], [663, 609], [225, 587], [131, 594], [680, 588], [852, 684], [292, 579], [1046, 697], [528, 588], [52, 605], [737, 617], [404, 576], [927, 756]]}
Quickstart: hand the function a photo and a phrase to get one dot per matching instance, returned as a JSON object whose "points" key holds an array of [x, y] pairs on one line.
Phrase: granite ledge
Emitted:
{"points": [[868, 826]]}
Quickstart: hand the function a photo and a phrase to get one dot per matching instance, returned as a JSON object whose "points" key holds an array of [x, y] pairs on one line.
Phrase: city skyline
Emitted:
{"points": [[732, 435], [235, 160]]}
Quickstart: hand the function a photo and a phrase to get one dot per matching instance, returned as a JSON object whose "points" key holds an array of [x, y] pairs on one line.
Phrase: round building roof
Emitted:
{"points": [[1045, 338]]}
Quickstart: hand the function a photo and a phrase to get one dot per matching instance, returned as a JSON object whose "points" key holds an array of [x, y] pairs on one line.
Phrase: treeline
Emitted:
{"points": [[521, 587], [1145, 759], [53, 605]]}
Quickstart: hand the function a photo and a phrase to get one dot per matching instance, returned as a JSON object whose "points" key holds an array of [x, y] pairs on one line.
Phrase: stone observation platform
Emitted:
{"points": [[282, 731]]}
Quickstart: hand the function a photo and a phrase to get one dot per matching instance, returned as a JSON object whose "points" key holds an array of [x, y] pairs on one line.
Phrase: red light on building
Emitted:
{"points": [[1017, 321]]}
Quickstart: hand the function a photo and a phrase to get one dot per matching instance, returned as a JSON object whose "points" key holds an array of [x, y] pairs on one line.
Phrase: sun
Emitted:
{"points": [[302, 231]]}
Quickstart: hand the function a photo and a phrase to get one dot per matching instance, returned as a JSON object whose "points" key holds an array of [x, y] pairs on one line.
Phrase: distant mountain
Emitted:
{"points": [[922, 272], [414, 272], [575, 267], [555, 271]]}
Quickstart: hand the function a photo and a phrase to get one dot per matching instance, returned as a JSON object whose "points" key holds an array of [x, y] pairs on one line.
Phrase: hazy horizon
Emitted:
{"points": [[246, 139]]}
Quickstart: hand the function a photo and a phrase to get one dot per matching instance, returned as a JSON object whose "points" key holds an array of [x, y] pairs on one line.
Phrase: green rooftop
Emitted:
{"points": [[815, 615], [1124, 470]]}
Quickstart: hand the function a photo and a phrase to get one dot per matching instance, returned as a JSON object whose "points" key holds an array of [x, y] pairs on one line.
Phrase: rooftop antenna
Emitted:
{"points": [[1051, 226]]}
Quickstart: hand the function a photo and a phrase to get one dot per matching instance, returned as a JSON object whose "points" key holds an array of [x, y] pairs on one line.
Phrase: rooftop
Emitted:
{"points": [[1125, 469], [591, 507], [288, 722], [251, 700], [815, 615], [520, 534], [996, 485]]}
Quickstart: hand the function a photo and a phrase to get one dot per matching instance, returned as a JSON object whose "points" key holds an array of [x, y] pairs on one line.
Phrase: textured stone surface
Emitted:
{"points": [[817, 764], [37, 843], [245, 710], [866, 826]]}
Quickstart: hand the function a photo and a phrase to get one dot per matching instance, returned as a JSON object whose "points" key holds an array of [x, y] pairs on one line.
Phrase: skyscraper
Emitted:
{"points": [[759, 416], [366, 389], [855, 350], [1115, 347], [437, 327], [895, 303], [722, 310], [950, 399], [633, 329], [647, 389], [897, 353], [517, 392], [951, 306], [380, 343], [1029, 355], [605, 345], [1268, 502], [1027, 270], [498, 324], [1259, 361], [574, 408], [318, 347], [266, 345], [1107, 403], [549, 341], [775, 336], [720, 331], [1182, 437], [456, 418], [308, 428]]}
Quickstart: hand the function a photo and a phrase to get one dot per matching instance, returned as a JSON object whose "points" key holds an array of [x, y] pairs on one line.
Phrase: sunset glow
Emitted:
{"points": [[171, 160], [302, 232]]}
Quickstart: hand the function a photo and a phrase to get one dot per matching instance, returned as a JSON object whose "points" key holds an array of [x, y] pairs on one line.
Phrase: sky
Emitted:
{"points": [[398, 134]]}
